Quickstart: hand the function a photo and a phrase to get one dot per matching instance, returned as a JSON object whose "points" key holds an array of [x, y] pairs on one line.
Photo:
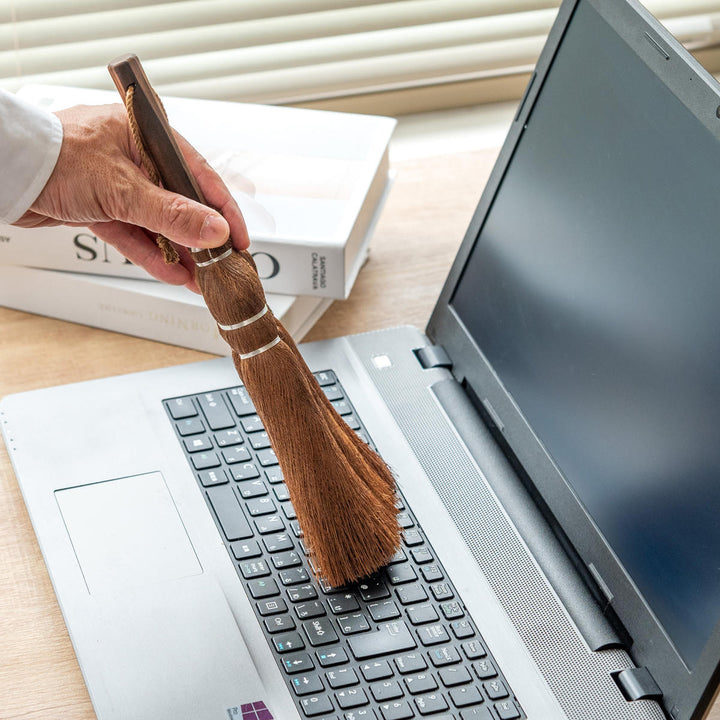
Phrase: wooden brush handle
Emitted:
{"points": [[154, 128]]}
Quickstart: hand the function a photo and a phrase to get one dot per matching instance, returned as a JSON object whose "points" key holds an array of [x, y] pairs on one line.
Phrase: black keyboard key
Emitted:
{"points": [[445, 655], [386, 690], [311, 609], [263, 588], [301, 662], [279, 623], [245, 549], [342, 407], [181, 408], [389, 638], [271, 607], [383, 610], [351, 624], [191, 426], [433, 635], [507, 710], [410, 663], [228, 438], [421, 555], [330, 658], [452, 676], [332, 392], [251, 489], [452, 610], [285, 559], [476, 713], [398, 557], [205, 460], [474, 649], [252, 423], [352, 421], [289, 510], [254, 569], [495, 689], [246, 471], [420, 614], [307, 685], [320, 631], [289, 642], [294, 576], [261, 506], [351, 698], [260, 441], [376, 670], [266, 457], [396, 710], [432, 573], [340, 604], [442, 591], [236, 454], [462, 629], [420, 683], [411, 594], [432, 703], [484, 669], [316, 705], [412, 538], [325, 377], [281, 493], [404, 520], [401, 574], [209, 478], [344, 677], [227, 509], [215, 411], [277, 542], [269, 524], [197, 443], [464, 696], [302, 592], [373, 590], [241, 402], [274, 475]]}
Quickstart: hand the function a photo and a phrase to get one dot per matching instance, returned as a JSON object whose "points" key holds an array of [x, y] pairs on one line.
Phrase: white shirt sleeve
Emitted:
{"points": [[30, 141]]}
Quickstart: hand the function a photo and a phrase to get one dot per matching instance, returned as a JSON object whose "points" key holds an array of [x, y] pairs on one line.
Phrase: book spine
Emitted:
{"points": [[65, 297], [284, 268]]}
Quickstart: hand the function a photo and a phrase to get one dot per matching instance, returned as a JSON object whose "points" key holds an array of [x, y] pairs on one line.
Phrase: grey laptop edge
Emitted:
{"points": [[554, 436]]}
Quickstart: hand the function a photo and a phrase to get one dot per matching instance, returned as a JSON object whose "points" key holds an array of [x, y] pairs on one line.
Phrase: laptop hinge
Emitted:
{"points": [[638, 684], [433, 356]]}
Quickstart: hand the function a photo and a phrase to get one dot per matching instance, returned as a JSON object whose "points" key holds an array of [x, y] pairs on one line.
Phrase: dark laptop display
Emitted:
{"points": [[593, 293]]}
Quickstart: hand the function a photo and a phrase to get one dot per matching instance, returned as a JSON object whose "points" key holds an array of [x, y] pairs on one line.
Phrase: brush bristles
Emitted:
{"points": [[342, 492]]}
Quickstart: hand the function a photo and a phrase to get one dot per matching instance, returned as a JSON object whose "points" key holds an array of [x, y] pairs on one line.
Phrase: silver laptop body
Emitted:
{"points": [[159, 605]]}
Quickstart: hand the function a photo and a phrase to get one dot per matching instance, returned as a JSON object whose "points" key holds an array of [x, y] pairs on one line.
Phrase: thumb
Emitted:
{"points": [[178, 218]]}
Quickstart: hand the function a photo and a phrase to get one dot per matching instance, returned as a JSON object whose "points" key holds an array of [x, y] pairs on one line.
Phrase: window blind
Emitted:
{"points": [[388, 56]]}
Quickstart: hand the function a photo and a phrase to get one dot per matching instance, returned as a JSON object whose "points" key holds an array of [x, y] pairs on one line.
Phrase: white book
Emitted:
{"points": [[166, 313], [320, 181]]}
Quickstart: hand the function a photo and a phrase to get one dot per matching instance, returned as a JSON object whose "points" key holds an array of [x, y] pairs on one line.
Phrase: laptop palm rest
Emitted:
{"points": [[150, 602]]}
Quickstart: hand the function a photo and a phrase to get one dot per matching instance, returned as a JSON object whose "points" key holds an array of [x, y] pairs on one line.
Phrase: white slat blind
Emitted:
{"points": [[373, 55]]}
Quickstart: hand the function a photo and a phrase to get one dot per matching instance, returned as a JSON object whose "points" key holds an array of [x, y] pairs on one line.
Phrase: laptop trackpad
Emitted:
{"points": [[127, 533]]}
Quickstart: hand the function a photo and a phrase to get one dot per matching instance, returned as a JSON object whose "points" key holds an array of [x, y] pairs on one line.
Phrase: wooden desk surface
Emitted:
{"points": [[414, 244]]}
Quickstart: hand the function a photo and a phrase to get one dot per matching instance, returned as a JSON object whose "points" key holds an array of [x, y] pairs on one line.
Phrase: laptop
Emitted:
{"points": [[553, 434]]}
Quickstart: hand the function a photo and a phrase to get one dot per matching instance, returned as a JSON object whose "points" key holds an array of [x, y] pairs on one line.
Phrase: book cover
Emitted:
{"points": [[156, 311], [310, 184]]}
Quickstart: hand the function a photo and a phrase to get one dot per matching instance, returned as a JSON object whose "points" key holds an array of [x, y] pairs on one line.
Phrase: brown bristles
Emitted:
{"points": [[342, 491]]}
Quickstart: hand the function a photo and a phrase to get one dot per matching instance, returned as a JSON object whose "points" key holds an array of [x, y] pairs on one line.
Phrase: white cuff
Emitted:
{"points": [[30, 140]]}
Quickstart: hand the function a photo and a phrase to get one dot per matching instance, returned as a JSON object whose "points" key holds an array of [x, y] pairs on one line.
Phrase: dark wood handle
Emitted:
{"points": [[154, 128]]}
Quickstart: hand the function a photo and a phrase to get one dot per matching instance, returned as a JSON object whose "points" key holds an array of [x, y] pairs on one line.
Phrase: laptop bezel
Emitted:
{"points": [[687, 693]]}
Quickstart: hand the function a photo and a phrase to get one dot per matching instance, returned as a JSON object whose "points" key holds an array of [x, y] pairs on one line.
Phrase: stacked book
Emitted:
{"points": [[311, 185]]}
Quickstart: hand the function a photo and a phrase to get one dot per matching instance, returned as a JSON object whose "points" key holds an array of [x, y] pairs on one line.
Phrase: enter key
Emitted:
{"points": [[391, 637]]}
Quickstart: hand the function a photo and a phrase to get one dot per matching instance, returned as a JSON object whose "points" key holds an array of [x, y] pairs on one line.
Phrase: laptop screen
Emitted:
{"points": [[593, 290]]}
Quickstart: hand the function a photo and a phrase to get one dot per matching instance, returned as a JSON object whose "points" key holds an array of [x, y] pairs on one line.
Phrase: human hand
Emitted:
{"points": [[98, 183]]}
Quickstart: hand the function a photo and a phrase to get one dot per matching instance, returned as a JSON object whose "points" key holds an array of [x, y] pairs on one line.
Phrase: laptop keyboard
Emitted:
{"points": [[399, 644]]}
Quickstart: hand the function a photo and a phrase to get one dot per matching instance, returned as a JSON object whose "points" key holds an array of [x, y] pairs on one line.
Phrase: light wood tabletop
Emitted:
{"points": [[415, 241]]}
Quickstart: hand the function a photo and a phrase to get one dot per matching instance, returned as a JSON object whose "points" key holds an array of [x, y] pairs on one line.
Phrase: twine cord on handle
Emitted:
{"points": [[169, 253]]}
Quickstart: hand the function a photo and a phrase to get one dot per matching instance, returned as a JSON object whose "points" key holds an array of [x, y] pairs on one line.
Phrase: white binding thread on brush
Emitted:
{"points": [[271, 344], [215, 259], [245, 323]]}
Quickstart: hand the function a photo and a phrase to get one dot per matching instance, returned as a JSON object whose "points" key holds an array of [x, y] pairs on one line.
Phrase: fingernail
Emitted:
{"points": [[214, 231]]}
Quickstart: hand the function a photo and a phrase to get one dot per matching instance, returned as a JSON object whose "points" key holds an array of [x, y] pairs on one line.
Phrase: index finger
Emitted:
{"points": [[216, 192]]}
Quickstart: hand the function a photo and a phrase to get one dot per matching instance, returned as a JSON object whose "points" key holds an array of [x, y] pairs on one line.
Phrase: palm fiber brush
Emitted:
{"points": [[343, 493]]}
